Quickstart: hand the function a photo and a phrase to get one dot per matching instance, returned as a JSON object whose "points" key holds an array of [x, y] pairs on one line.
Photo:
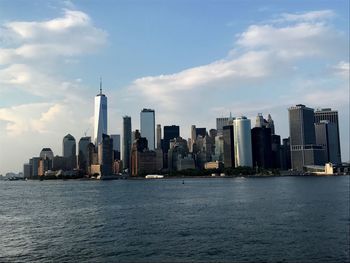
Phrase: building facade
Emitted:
{"points": [[127, 143], [330, 115], [83, 153], [147, 119], [242, 142], [228, 147], [327, 136], [100, 119], [304, 150], [261, 147]]}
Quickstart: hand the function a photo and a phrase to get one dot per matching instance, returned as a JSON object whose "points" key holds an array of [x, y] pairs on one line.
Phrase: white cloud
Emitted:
{"points": [[308, 16], [70, 35], [295, 41], [342, 69]]}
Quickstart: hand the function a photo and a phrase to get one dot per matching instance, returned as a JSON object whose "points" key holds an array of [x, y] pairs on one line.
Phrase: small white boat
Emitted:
{"points": [[154, 176]]}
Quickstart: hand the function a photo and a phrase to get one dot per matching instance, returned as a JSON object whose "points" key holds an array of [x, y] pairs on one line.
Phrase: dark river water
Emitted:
{"points": [[286, 219]]}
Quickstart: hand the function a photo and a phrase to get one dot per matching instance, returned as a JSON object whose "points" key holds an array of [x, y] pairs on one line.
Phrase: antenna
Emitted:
{"points": [[100, 85], [86, 131]]}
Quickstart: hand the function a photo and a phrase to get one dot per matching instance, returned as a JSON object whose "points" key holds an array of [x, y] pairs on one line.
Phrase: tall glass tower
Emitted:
{"points": [[126, 141], [100, 122], [148, 125], [242, 142]]}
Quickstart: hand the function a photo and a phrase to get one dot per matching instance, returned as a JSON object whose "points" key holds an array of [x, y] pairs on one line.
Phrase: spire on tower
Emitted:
{"points": [[100, 85]]}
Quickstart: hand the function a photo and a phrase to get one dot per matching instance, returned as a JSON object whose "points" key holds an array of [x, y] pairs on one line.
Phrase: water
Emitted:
{"points": [[258, 219]]}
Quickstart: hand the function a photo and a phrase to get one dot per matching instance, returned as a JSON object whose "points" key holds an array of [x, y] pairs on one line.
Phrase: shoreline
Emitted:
{"points": [[172, 177]]}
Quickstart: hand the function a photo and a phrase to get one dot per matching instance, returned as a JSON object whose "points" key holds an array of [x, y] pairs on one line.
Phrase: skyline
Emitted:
{"points": [[50, 66]]}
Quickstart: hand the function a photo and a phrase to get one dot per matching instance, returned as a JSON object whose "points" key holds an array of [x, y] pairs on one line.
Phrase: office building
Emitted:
{"points": [[170, 132], [285, 155], [34, 163], [46, 153], [228, 149], [327, 136], [27, 170], [100, 119], [219, 148], [147, 119], [69, 151], [127, 143], [178, 150], [304, 150], [276, 151], [116, 146], [261, 147], [83, 153], [105, 155], [201, 131], [159, 136], [220, 123], [242, 142], [330, 115]]}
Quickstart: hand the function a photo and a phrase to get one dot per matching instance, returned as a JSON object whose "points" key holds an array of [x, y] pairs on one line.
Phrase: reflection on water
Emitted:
{"points": [[267, 219]]}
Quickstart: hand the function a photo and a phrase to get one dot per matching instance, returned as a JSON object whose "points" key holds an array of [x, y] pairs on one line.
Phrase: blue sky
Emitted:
{"points": [[191, 61]]}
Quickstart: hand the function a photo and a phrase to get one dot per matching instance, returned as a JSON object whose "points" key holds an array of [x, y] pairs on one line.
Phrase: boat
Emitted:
{"points": [[154, 176]]}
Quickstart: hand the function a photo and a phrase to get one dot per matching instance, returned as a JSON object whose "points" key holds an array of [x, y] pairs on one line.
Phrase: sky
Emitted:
{"points": [[191, 61]]}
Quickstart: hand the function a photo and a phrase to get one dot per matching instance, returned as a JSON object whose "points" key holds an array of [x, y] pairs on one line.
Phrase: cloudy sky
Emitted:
{"points": [[191, 61]]}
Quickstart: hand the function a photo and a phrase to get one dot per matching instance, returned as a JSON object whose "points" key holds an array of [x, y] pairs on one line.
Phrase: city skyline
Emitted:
{"points": [[244, 73]]}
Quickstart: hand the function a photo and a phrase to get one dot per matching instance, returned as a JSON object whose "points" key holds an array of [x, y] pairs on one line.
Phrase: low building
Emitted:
{"points": [[185, 163], [213, 165]]}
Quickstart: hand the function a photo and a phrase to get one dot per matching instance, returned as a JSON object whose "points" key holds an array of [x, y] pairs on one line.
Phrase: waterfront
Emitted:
{"points": [[219, 219]]}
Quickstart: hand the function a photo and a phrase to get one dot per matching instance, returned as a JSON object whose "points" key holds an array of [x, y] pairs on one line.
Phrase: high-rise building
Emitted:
{"points": [[276, 150], [261, 147], [270, 124], [159, 136], [27, 170], [201, 131], [69, 151], [100, 122], [219, 148], [327, 136], [304, 150], [147, 119], [285, 153], [220, 123], [46, 153], [126, 141], [34, 163], [105, 155], [193, 137], [229, 154], [242, 142], [170, 132], [330, 115], [83, 153], [116, 146]]}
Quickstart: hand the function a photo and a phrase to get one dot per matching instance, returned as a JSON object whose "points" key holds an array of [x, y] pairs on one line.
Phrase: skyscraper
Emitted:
{"points": [[330, 115], [242, 142], [83, 153], [261, 147], [126, 141], [170, 132], [116, 146], [229, 155], [159, 136], [105, 155], [327, 136], [69, 151], [147, 119], [100, 122], [304, 150]]}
